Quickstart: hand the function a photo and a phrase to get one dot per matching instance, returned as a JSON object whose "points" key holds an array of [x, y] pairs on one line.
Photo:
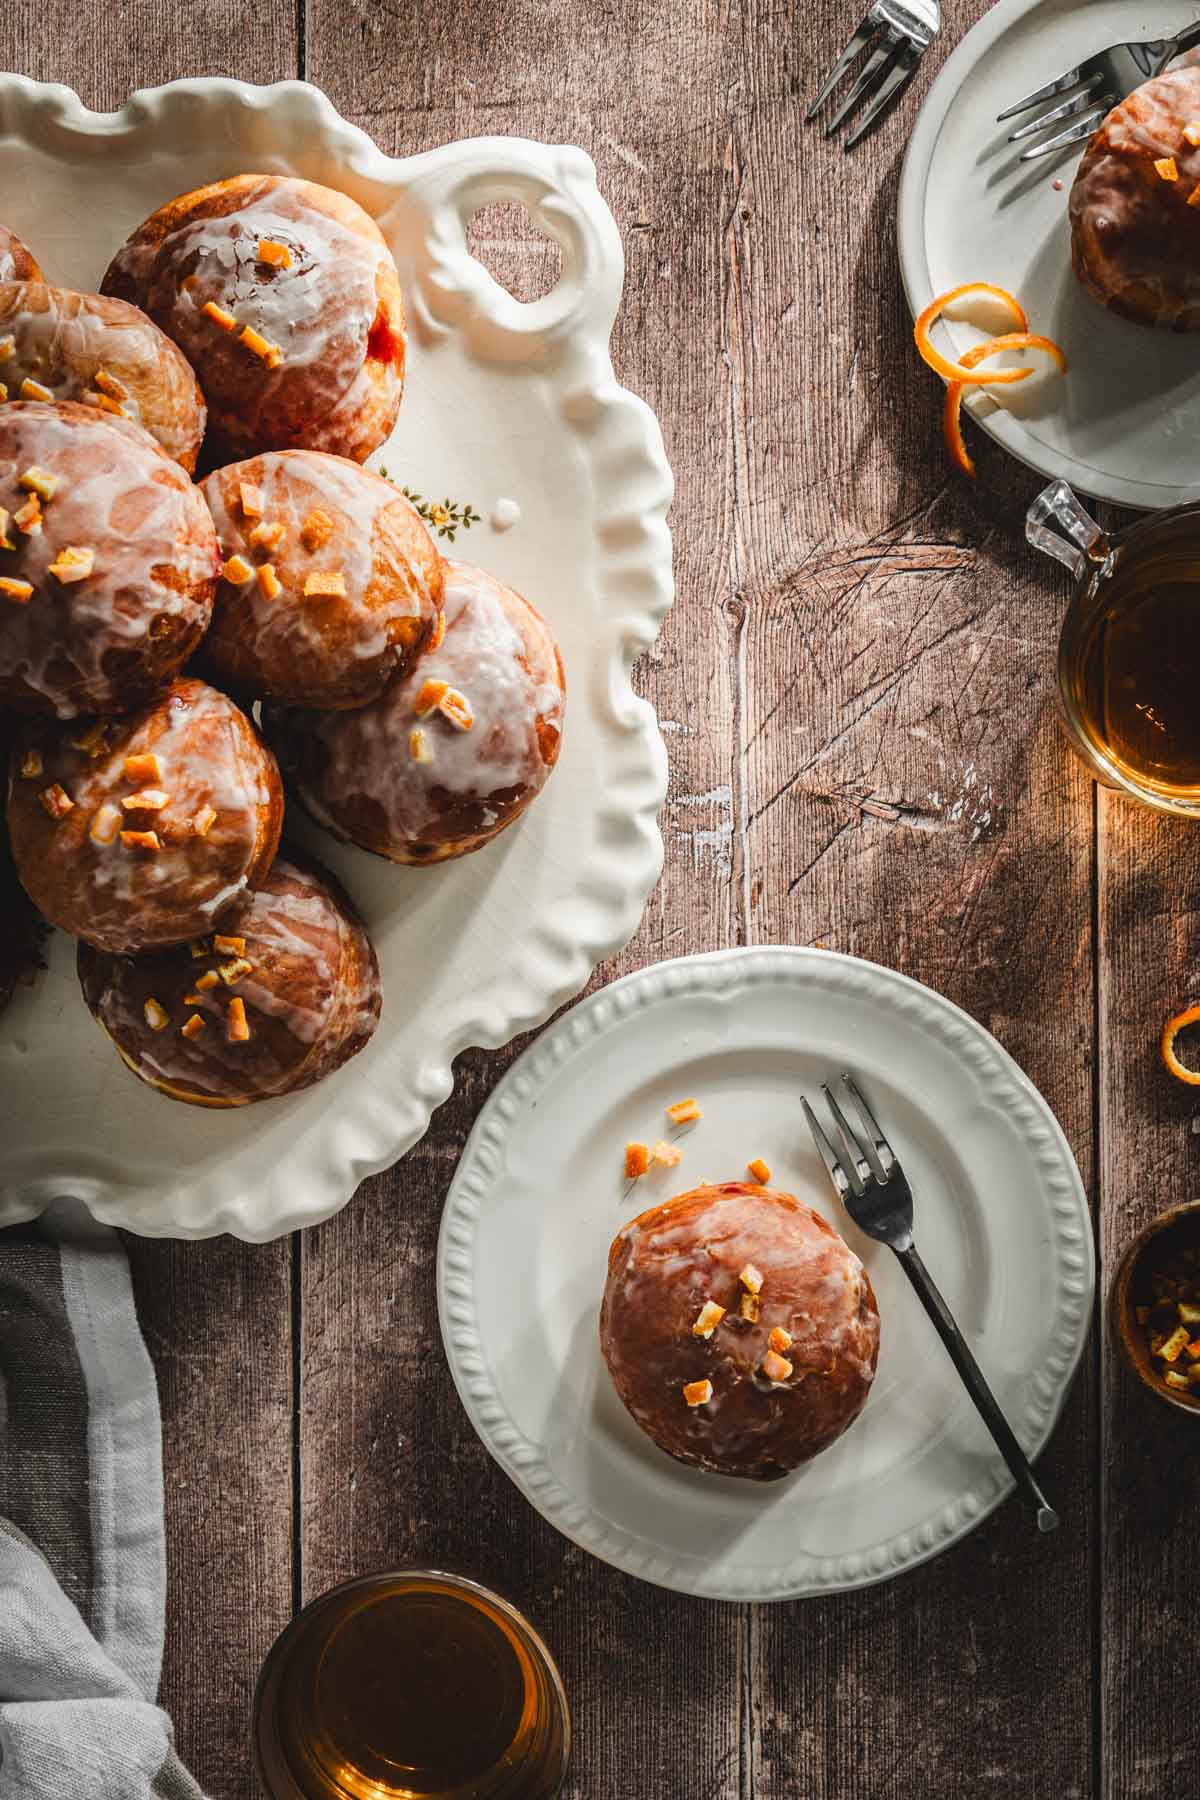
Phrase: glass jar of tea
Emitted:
{"points": [[413, 1686], [1129, 655]]}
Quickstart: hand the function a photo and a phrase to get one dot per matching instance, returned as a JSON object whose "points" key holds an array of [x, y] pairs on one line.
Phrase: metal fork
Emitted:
{"points": [[875, 1192], [1094, 87], [894, 35]]}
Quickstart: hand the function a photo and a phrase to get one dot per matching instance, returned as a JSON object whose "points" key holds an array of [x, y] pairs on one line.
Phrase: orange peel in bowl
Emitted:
{"points": [[952, 411], [1189, 1016], [952, 371]]}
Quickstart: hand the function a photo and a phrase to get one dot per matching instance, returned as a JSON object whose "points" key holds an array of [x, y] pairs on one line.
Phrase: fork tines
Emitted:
{"points": [[891, 57], [1085, 108]]}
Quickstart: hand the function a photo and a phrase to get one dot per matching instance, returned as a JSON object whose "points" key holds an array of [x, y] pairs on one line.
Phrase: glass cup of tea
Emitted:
{"points": [[411, 1686], [1129, 655]]}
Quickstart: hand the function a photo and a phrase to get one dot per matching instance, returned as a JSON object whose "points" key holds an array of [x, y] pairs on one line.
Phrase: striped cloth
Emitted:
{"points": [[82, 1559]]}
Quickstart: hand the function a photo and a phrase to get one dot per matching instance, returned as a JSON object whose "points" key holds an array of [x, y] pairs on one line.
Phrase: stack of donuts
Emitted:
{"points": [[252, 331]]}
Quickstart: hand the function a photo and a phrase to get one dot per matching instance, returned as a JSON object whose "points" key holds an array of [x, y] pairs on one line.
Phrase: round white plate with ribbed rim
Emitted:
{"points": [[505, 403], [1121, 423], [1002, 1221]]}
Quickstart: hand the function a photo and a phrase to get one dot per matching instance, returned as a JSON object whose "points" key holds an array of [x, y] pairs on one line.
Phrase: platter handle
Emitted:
{"points": [[556, 184]]}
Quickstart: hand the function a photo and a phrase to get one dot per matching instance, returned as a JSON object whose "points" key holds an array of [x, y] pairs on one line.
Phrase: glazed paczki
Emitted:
{"points": [[285, 299], [330, 582], [17, 262], [290, 994], [148, 830], [740, 1330], [58, 345], [108, 561], [1135, 215], [451, 752]]}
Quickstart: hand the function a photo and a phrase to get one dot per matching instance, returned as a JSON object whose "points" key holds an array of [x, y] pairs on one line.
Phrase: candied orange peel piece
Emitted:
{"points": [[1189, 1016], [667, 1156], [56, 800], [637, 1161], [274, 254], [683, 1112], [431, 696], [316, 530], [952, 371], [142, 766], [218, 315], [237, 571], [325, 584], [952, 409], [707, 1319], [1166, 168], [759, 1170], [697, 1393]]}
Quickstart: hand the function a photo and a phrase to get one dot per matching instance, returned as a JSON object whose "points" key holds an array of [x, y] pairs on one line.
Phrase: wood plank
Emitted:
{"points": [[642, 1669], [908, 798], [1150, 875], [216, 1316]]}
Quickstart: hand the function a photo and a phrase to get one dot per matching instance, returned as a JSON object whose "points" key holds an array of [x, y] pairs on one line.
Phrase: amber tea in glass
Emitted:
{"points": [[413, 1686], [1129, 657], [1137, 672]]}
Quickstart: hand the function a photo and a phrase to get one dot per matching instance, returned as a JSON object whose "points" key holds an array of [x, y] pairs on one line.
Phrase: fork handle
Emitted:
{"points": [[1185, 39], [976, 1385]]}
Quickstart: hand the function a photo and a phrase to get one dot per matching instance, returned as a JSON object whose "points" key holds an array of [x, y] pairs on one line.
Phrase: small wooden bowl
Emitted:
{"points": [[1178, 1226]]}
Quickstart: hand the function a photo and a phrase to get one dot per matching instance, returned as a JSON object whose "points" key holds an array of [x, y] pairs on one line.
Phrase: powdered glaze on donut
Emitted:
{"points": [[310, 993], [17, 262], [64, 341], [319, 650], [357, 773], [333, 313], [1135, 239], [80, 870], [100, 644], [668, 1263]]}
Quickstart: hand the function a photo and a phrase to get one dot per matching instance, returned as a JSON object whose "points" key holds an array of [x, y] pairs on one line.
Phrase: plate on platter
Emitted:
{"points": [[511, 409], [1002, 1221], [1121, 424]]}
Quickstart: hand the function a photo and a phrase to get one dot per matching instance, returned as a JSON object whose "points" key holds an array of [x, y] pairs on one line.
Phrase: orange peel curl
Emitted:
{"points": [[1189, 1016], [952, 410], [952, 371]]}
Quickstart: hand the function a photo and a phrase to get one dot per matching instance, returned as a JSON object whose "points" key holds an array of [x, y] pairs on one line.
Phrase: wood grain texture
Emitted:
{"points": [[1149, 919], [856, 689]]}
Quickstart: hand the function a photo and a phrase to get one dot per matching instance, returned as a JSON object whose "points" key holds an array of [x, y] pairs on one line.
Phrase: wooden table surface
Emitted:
{"points": [[857, 683]]}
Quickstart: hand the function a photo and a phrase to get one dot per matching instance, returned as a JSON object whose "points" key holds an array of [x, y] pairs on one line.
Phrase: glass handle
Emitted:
{"points": [[1057, 525]]}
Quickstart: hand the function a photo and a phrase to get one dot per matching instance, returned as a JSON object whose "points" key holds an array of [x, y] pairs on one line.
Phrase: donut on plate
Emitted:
{"points": [[108, 561], [451, 752], [330, 583], [146, 830], [739, 1329], [58, 345], [290, 995], [1135, 226], [16, 260], [285, 299]]}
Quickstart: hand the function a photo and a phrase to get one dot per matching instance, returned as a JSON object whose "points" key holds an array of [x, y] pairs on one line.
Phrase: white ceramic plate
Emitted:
{"points": [[1122, 424], [1001, 1219], [504, 402]]}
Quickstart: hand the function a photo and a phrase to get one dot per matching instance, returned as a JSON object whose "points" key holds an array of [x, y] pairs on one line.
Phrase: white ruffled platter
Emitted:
{"points": [[511, 408]]}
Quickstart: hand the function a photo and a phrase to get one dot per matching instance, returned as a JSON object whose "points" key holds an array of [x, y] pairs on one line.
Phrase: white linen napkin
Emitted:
{"points": [[82, 1556]]}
